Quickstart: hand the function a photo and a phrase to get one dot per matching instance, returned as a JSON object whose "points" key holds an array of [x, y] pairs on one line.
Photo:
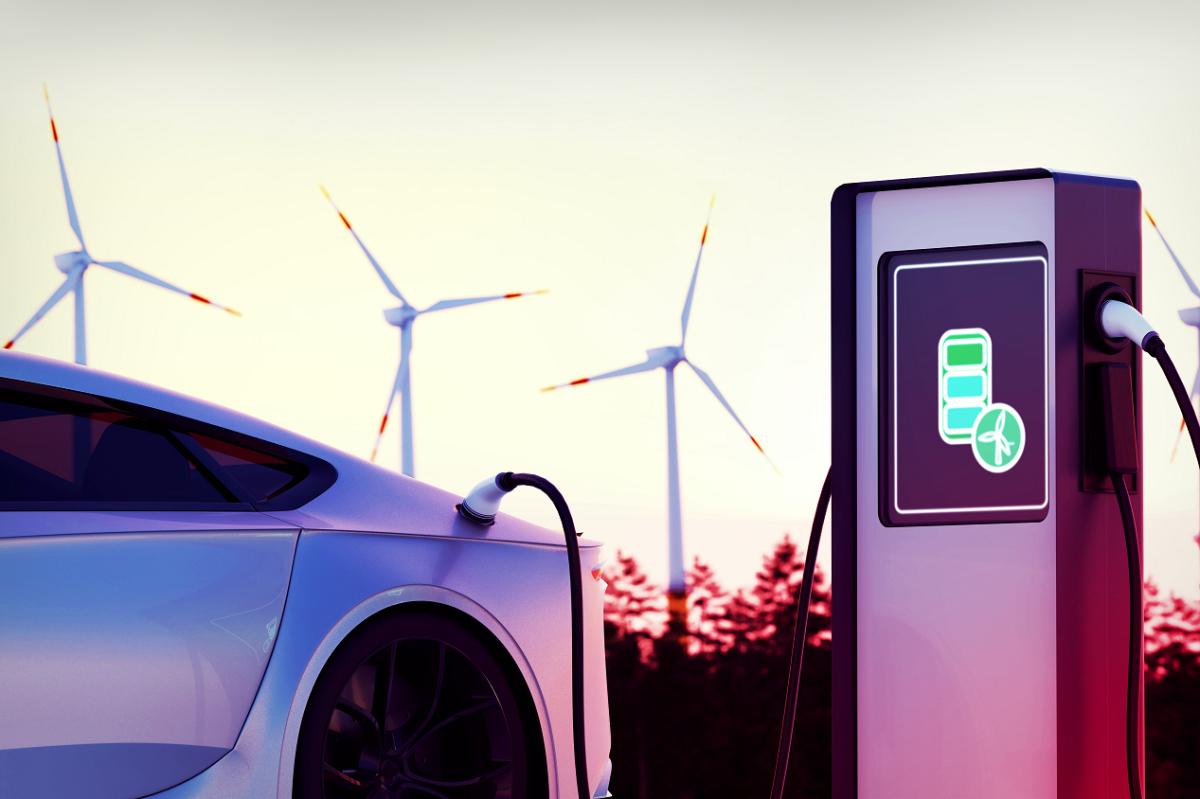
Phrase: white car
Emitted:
{"points": [[194, 603]]}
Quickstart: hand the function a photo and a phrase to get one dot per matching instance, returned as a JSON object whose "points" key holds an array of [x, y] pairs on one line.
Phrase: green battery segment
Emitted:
{"points": [[964, 381]]}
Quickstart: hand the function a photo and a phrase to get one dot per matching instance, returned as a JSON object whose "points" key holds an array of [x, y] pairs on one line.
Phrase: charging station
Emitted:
{"points": [[982, 608]]}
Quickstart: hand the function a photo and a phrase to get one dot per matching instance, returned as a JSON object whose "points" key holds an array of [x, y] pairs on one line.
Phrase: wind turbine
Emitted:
{"points": [[403, 316], [1190, 316], [667, 358], [75, 264]]}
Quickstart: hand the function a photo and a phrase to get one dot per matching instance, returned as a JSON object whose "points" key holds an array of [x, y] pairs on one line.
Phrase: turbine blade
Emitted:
{"points": [[646, 366], [126, 269], [397, 384], [58, 294], [1182, 421], [72, 216], [444, 305], [687, 305], [1178, 437], [1191, 284], [387, 281], [712, 386]]}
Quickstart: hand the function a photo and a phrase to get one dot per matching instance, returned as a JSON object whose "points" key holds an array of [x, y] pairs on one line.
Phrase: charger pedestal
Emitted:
{"points": [[981, 605]]}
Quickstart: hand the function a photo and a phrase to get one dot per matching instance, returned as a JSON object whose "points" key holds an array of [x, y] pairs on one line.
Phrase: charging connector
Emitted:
{"points": [[1119, 320]]}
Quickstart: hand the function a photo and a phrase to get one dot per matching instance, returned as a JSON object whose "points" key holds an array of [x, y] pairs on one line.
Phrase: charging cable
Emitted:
{"points": [[1134, 676], [1119, 320], [481, 506], [1119, 455], [799, 639]]}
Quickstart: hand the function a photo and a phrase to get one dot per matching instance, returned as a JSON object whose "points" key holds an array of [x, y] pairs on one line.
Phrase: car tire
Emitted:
{"points": [[416, 705]]}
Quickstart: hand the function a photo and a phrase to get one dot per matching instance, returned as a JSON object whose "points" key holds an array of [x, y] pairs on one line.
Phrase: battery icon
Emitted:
{"points": [[964, 381]]}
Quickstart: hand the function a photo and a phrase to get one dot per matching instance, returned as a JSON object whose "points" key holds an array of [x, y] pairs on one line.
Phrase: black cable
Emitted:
{"points": [[1156, 348], [508, 481], [1136, 623], [799, 639]]}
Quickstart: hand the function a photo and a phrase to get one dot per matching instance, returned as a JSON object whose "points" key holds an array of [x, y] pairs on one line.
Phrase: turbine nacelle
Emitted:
{"points": [[667, 357], [69, 262], [400, 315]]}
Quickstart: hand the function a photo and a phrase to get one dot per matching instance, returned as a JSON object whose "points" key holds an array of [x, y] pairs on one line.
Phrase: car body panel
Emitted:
{"points": [[130, 660]]}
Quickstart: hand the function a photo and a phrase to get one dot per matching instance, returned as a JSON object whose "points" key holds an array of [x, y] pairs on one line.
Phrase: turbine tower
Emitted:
{"points": [[404, 316], [667, 358], [1190, 316], [75, 264]]}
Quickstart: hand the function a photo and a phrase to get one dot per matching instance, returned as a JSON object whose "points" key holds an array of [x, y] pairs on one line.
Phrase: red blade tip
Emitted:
{"points": [[579, 382], [198, 298], [345, 221], [9, 345], [383, 424], [704, 236], [1146, 211], [53, 129]]}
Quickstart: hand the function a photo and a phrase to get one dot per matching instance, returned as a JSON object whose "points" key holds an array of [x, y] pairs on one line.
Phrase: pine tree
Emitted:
{"points": [[633, 606], [708, 611]]}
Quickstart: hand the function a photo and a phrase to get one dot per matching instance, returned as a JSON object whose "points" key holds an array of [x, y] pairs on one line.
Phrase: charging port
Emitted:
{"points": [[1104, 360]]}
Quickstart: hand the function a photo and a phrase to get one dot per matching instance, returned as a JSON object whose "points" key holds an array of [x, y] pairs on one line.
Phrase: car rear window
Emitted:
{"points": [[69, 450], [94, 455]]}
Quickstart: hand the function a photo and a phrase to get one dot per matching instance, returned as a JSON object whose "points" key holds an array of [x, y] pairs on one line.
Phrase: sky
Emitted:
{"points": [[485, 148]]}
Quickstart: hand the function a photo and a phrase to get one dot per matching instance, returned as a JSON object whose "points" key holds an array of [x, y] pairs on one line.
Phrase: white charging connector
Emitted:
{"points": [[483, 502], [1120, 320]]}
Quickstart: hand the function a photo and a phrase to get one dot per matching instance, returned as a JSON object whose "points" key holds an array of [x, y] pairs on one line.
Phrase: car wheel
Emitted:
{"points": [[415, 706]]}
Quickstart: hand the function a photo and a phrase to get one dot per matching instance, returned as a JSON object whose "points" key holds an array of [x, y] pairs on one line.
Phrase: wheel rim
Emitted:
{"points": [[417, 720]]}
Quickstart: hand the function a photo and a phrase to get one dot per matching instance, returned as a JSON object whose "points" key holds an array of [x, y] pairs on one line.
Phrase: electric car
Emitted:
{"points": [[194, 603]]}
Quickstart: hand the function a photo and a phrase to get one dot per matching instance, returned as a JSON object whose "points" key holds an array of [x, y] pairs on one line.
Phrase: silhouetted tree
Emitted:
{"points": [[1172, 696], [708, 611]]}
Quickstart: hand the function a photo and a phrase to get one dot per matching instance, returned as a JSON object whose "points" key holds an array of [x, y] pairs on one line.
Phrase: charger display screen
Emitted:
{"points": [[964, 385]]}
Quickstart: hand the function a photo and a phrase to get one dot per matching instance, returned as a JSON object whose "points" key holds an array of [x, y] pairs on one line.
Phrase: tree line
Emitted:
{"points": [[698, 716]]}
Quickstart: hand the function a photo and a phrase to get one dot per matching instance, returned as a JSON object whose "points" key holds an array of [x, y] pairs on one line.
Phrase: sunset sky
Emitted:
{"points": [[483, 148]]}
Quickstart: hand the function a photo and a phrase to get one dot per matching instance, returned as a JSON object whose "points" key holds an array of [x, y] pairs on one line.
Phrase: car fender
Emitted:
{"points": [[378, 603]]}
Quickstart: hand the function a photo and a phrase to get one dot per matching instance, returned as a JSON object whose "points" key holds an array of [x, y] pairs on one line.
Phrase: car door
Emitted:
{"points": [[140, 596]]}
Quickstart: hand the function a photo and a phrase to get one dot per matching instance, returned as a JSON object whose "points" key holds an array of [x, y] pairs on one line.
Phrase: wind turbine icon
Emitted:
{"points": [[667, 358], [75, 264], [996, 436], [404, 316]]}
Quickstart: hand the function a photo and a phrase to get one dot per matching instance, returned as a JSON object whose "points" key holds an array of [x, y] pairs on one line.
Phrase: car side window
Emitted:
{"points": [[54, 451]]}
